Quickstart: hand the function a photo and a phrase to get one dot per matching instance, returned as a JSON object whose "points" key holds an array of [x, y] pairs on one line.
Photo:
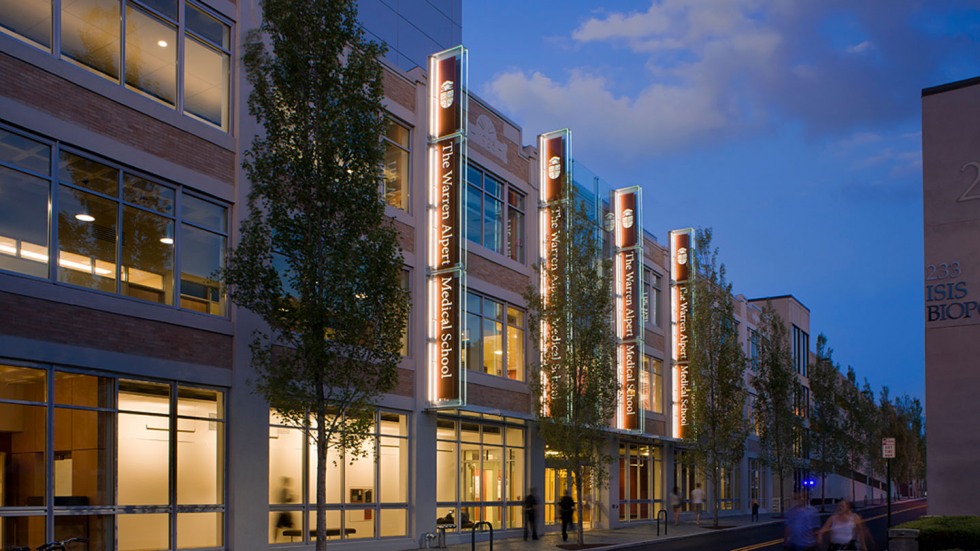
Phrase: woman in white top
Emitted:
{"points": [[846, 529]]}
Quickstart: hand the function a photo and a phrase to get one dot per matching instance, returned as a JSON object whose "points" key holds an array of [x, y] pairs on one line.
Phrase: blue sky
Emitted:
{"points": [[791, 127]]}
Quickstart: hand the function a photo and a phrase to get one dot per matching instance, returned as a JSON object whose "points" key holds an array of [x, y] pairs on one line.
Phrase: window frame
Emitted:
{"points": [[406, 192], [504, 335], [503, 198]]}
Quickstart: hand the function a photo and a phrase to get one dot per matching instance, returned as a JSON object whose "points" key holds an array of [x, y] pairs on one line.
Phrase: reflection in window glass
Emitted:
{"points": [[28, 19], [88, 174], [24, 153], [204, 213], [207, 27], [90, 34], [23, 223], [147, 256], [202, 254], [206, 82], [140, 532], [87, 230], [515, 226], [150, 195], [151, 55], [166, 7]]}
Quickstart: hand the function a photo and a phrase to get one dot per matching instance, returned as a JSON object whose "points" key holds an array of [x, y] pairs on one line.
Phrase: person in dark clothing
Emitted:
{"points": [[566, 509], [755, 511], [531, 514]]}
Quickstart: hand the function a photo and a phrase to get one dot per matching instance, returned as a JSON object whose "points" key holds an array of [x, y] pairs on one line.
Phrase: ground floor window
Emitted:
{"points": [[359, 504], [728, 489], [686, 477], [480, 471], [125, 463], [640, 480], [559, 481], [757, 483]]}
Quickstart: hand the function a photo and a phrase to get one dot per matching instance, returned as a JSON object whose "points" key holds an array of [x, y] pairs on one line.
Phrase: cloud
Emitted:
{"points": [[717, 70]]}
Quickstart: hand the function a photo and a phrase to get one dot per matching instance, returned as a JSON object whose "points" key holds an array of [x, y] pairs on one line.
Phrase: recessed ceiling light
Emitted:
{"points": [[162, 43], [85, 217], [167, 240]]}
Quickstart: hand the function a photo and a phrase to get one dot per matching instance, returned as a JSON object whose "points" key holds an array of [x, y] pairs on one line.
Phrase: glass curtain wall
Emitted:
{"points": [[127, 464]]}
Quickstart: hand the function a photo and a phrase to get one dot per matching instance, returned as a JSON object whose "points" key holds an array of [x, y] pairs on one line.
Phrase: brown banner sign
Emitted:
{"points": [[446, 275], [629, 303], [682, 259]]}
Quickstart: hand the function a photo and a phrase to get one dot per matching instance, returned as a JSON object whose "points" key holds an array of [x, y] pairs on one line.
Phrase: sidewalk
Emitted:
{"points": [[620, 538]]}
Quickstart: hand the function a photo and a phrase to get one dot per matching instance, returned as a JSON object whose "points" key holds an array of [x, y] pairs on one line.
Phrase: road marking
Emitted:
{"points": [[780, 540]]}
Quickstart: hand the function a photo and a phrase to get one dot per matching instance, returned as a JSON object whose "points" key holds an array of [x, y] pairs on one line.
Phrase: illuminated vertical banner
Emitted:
{"points": [[446, 235], [556, 183], [681, 270], [629, 315]]}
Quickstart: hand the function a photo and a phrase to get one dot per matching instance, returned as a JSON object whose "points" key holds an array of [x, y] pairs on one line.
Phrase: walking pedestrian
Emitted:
{"points": [[802, 524], [755, 510], [846, 529], [531, 514], [697, 499], [566, 509], [675, 505]]}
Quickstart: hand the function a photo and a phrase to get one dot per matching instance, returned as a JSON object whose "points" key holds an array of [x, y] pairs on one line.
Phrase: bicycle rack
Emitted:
{"points": [[664, 513], [473, 534]]}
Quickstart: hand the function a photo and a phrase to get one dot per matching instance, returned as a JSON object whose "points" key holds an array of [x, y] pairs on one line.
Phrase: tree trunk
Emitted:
{"points": [[577, 475], [321, 473], [782, 494]]}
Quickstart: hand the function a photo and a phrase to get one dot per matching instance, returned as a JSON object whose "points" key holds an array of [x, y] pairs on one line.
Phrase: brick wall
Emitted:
{"points": [[492, 397], [481, 268], [399, 90], [77, 326]]}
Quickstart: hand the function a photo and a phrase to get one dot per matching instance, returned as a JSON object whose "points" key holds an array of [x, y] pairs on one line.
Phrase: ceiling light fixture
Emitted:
{"points": [[162, 43], [84, 217]]}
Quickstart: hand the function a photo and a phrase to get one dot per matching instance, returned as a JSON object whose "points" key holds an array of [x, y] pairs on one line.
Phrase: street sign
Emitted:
{"points": [[888, 448]]}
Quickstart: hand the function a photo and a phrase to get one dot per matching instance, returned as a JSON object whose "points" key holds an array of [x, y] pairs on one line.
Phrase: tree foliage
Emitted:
{"points": [[774, 385], [828, 438], [577, 388], [717, 369], [317, 259]]}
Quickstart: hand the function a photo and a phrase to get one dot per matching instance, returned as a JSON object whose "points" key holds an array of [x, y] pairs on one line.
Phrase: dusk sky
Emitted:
{"points": [[792, 128]]}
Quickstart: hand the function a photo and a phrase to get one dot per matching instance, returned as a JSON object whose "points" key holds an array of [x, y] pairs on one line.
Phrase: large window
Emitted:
{"points": [[486, 199], [396, 168], [130, 462], [359, 504], [495, 337], [480, 471], [112, 229], [754, 350], [801, 349], [652, 384], [172, 51]]}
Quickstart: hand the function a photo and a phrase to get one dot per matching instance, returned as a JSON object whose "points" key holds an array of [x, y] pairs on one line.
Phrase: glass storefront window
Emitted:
{"points": [[487, 475], [109, 448], [354, 496]]}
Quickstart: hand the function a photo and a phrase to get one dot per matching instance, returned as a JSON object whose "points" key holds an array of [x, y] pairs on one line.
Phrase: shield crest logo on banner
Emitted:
{"points": [[682, 255], [628, 218], [554, 167], [447, 94]]}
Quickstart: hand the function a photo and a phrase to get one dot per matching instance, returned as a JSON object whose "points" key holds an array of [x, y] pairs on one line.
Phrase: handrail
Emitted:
{"points": [[473, 534], [664, 513]]}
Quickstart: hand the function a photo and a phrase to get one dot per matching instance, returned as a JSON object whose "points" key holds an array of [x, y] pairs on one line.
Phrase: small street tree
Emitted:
{"points": [[717, 370], [317, 259], [828, 445], [577, 387], [774, 383]]}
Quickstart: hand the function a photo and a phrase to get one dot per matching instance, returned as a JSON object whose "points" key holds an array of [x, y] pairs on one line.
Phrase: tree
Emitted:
{"points": [[317, 260], [577, 387], [717, 369], [774, 384], [827, 432]]}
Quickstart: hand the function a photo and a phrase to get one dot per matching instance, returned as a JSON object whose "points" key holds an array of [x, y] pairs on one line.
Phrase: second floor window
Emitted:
{"points": [[491, 221], [171, 51], [495, 333]]}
